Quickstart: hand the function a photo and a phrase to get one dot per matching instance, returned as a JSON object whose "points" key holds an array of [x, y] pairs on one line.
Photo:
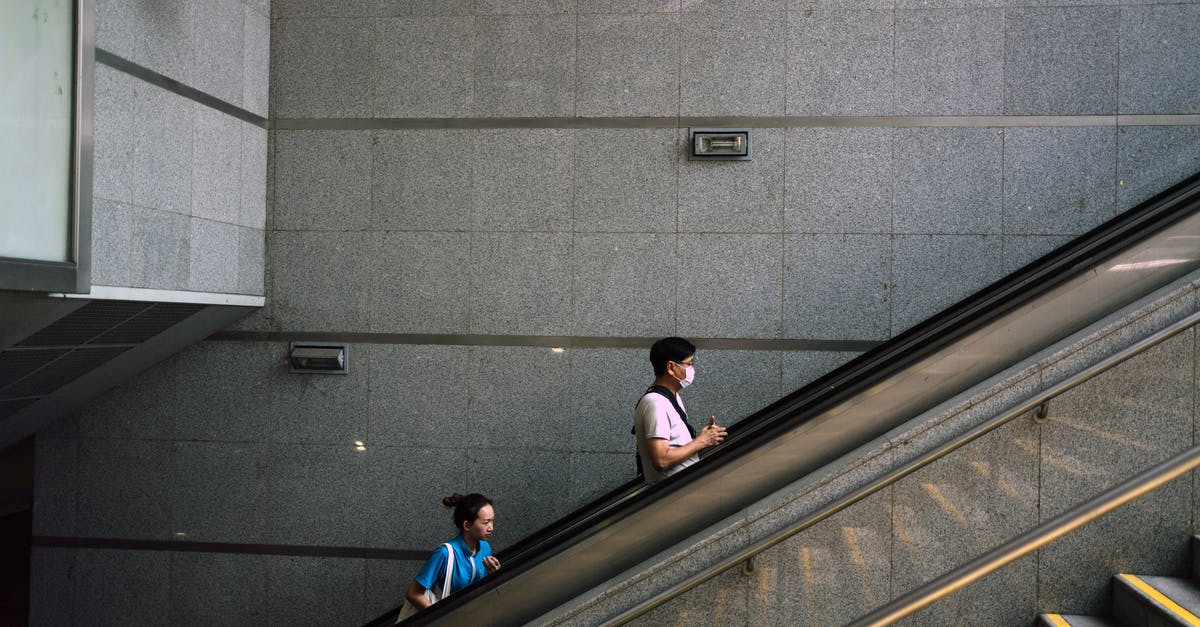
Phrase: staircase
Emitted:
{"points": [[1143, 600]]}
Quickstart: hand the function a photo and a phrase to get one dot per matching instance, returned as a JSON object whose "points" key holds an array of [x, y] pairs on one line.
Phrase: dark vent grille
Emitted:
{"points": [[86, 323], [70, 367], [149, 323], [8, 408], [17, 364], [79, 343]]}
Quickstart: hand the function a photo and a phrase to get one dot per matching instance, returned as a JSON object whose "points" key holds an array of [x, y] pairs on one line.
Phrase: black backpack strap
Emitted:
{"points": [[658, 389]]}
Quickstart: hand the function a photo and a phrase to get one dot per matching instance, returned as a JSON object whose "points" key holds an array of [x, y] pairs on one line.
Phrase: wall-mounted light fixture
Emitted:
{"points": [[319, 357], [729, 144]]}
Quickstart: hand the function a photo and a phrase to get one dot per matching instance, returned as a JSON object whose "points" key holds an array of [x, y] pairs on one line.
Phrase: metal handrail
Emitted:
{"points": [[1034, 539], [909, 467]]}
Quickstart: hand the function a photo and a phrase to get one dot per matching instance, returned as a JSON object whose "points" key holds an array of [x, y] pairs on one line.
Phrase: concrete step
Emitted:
{"points": [[1069, 620], [1148, 600]]}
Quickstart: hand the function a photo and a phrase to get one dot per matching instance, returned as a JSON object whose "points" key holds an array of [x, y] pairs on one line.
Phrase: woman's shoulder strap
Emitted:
{"points": [[449, 570]]}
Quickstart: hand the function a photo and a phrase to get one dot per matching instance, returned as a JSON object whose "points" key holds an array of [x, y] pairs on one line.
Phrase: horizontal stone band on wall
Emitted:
{"points": [[973, 121], [549, 341], [123, 544]]}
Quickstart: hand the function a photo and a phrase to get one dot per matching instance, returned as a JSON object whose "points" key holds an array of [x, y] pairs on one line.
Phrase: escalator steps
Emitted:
{"points": [[1171, 600]]}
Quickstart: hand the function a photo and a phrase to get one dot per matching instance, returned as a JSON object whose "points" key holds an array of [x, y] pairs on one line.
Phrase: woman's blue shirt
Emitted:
{"points": [[468, 567]]}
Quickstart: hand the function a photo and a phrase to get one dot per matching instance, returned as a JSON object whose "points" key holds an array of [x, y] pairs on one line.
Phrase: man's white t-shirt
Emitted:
{"points": [[654, 418]]}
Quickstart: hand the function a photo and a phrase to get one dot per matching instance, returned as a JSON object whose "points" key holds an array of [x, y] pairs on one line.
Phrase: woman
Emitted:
{"points": [[474, 517]]}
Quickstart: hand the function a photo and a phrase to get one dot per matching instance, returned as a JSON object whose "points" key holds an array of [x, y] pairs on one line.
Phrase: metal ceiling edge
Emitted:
{"points": [[107, 292]]}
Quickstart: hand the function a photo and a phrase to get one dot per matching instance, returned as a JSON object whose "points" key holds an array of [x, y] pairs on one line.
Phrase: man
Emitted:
{"points": [[666, 442]]}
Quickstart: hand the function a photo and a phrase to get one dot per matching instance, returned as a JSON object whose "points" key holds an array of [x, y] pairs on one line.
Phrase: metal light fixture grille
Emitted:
{"points": [[319, 357], [719, 144]]}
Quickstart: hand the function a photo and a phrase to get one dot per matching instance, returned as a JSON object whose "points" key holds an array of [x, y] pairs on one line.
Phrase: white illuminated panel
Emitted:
{"points": [[36, 91]]}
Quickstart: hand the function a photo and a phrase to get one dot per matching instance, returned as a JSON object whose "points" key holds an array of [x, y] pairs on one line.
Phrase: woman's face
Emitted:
{"points": [[481, 527]]}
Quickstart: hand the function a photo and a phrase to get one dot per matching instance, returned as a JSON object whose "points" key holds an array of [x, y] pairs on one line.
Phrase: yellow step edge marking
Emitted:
{"points": [[806, 565], [1058, 621], [1162, 599]]}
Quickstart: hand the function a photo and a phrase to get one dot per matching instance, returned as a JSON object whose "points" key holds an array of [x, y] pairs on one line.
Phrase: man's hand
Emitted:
{"points": [[491, 563], [712, 434], [663, 456]]}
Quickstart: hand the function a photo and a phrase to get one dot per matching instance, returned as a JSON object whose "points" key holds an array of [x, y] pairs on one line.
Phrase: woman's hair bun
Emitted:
{"points": [[466, 507]]}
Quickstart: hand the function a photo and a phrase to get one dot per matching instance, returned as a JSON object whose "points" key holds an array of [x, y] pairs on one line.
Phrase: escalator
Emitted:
{"points": [[1064, 291]]}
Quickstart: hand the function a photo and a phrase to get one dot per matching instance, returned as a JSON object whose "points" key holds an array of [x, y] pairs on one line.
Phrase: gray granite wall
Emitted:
{"points": [[180, 186], [445, 189]]}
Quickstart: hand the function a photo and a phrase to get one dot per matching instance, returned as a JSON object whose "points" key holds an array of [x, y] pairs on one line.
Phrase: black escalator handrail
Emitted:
{"points": [[959, 320]]}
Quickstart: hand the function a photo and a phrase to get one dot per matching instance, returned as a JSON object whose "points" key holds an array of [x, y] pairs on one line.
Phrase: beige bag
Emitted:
{"points": [[433, 597]]}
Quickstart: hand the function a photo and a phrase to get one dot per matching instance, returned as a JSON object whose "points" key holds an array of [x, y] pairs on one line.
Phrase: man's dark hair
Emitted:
{"points": [[674, 349]]}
